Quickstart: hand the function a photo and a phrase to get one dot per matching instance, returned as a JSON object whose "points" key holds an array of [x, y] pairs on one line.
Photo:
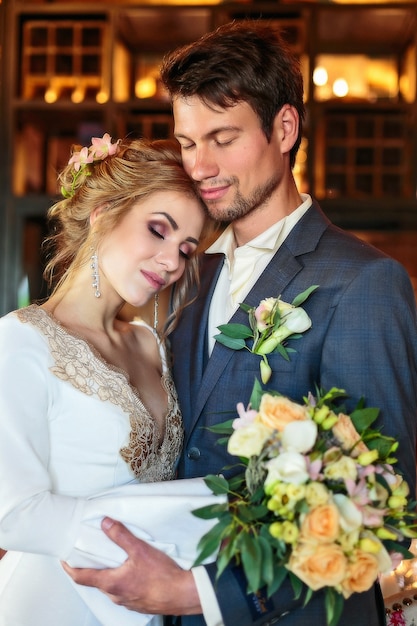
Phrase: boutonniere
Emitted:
{"points": [[270, 324]]}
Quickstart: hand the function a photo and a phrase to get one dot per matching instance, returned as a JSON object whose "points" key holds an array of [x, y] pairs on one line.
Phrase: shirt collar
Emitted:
{"points": [[267, 240]]}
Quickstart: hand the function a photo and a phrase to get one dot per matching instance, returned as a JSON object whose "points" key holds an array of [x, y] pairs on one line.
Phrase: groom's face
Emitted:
{"points": [[227, 153]]}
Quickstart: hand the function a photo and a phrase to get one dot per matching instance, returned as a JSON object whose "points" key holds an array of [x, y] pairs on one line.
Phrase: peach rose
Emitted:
{"points": [[276, 412], [362, 571], [321, 524], [318, 565], [348, 436]]}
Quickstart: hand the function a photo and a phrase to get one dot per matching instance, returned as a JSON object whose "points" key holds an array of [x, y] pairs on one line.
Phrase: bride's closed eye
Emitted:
{"points": [[158, 230], [155, 230]]}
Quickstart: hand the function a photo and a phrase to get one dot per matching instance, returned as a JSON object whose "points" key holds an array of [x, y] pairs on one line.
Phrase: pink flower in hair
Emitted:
{"points": [[81, 158], [103, 147]]}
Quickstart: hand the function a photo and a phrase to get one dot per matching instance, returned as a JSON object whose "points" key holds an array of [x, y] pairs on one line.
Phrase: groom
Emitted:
{"points": [[238, 108]]}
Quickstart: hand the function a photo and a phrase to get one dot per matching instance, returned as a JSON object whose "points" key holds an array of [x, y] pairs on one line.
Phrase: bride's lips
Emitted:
{"points": [[213, 193], [154, 280]]}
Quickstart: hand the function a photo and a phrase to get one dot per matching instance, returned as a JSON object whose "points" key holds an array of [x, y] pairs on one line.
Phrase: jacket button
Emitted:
{"points": [[194, 454]]}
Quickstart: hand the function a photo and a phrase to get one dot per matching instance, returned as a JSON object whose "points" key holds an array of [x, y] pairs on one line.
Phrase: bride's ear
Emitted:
{"points": [[96, 213]]}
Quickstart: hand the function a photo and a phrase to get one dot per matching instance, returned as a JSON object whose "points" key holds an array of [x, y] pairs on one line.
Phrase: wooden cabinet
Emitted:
{"points": [[64, 58], [364, 153]]}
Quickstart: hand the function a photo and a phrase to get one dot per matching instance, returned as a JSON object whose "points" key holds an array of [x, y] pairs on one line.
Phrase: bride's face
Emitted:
{"points": [[150, 246]]}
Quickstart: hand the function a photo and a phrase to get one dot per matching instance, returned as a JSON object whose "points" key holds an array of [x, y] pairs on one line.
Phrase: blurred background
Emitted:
{"points": [[71, 70]]}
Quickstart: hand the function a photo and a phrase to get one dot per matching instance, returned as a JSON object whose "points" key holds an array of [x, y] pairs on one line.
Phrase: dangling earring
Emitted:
{"points": [[155, 311], [96, 277]]}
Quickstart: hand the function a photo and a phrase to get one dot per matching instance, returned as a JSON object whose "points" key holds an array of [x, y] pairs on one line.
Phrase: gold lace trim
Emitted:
{"points": [[78, 363]]}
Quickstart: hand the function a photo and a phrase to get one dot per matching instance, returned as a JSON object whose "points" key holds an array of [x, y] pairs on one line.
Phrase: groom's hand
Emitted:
{"points": [[148, 581]]}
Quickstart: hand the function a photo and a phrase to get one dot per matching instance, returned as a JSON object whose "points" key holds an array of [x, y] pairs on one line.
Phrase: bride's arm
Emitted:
{"points": [[32, 517]]}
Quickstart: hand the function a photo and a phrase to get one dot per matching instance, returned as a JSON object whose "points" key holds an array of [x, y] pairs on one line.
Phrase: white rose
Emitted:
{"points": [[350, 516], [288, 467], [249, 440], [296, 319], [299, 436]]}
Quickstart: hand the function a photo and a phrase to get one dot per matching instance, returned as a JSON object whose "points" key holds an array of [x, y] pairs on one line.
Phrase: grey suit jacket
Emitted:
{"points": [[363, 339]]}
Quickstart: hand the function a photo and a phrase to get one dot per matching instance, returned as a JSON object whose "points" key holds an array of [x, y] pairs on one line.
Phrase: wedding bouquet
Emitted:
{"points": [[317, 499]]}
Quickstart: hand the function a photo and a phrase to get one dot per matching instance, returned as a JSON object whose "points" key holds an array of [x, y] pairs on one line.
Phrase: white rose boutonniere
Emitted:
{"points": [[271, 323]]}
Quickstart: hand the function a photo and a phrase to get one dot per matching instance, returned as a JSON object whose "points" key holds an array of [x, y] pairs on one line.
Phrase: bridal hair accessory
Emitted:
{"points": [[100, 149], [96, 277]]}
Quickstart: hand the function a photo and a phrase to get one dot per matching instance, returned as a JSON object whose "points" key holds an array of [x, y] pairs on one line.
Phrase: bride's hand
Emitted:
{"points": [[147, 582]]}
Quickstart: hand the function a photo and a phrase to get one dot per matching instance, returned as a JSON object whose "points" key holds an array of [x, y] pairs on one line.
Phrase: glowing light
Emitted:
{"points": [[320, 76], [78, 95], [340, 87], [102, 97], [51, 95], [145, 87]]}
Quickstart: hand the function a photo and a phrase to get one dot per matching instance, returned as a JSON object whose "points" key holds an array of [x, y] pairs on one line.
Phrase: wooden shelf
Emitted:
{"points": [[63, 58]]}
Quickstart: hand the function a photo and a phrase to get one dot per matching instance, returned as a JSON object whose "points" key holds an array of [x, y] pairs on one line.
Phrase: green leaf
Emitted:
{"points": [[363, 418], [218, 484], [251, 560], [267, 560], [333, 602], [280, 574], [210, 542], [224, 428], [223, 560], [256, 395], [308, 596], [297, 585], [236, 482], [282, 351], [393, 546], [236, 331], [302, 297], [211, 511], [381, 443], [252, 513], [229, 342]]}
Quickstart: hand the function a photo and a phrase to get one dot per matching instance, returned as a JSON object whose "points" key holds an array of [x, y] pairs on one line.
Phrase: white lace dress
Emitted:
{"points": [[71, 426]]}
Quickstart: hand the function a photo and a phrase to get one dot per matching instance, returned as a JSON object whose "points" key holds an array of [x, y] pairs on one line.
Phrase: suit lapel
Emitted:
{"points": [[283, 267], [210, 270]]}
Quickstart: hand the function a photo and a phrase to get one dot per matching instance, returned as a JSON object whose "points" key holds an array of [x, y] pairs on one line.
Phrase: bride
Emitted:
{"points": [[88, 408]]}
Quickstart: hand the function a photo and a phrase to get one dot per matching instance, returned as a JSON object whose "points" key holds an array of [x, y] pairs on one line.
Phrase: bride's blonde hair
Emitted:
{"points": [[138, 169]]}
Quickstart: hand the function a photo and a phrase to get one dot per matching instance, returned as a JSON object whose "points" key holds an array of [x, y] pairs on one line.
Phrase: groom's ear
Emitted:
{"points": [[286, 125]]}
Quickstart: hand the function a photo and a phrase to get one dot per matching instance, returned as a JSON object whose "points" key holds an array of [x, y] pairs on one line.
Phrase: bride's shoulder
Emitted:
{"points": [[21, 327]]}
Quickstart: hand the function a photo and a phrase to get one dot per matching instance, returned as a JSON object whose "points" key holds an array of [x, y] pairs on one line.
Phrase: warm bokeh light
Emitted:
{"points": [[340, 88], [78, 95], [368, 78], [145, 87], [320, 76], [102, 96], [51, 95]]}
